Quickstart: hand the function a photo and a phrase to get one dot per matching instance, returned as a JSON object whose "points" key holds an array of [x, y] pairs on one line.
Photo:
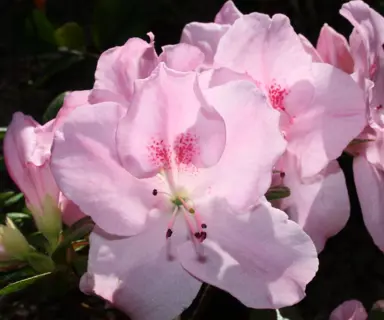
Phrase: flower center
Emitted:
{"points": [[181, 203], [172, 159]]}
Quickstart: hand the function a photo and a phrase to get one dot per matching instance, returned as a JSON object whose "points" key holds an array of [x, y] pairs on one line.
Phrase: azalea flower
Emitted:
{"points": [[368, 166], [321, 108], [175, 182], [27, 154], [349, 310]]}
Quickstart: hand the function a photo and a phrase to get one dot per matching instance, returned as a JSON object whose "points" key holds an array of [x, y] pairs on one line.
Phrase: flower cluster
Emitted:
{"points": [[172, 155]]}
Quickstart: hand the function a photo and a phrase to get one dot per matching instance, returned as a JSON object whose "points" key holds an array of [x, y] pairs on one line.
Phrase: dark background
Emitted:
{"points": [[33, 71]]}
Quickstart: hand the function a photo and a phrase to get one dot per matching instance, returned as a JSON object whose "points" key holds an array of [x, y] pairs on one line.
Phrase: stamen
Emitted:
{"points": [[169, 233], [173, 218], [154, 192], [204, 226]]}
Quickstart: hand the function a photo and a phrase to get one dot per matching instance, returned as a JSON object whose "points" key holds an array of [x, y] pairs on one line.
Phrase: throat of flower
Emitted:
{"points": [[192, 218]]}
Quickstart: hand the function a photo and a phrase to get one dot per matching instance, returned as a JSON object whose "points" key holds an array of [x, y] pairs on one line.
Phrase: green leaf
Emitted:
{"points": [[40, 262], [71, 36], [43, 27], [19, 215], [54, 107], [77, 231], [376, 315], [19, 285], [3, 130], [276, 193], [9, 198]]}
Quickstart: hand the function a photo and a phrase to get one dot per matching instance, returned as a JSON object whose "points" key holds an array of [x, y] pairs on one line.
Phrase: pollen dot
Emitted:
{"points": [[154, 192], [169, 233]]}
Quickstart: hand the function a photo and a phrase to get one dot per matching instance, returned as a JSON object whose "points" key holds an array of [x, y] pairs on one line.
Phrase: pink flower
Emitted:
{"points": [[366, 42], [321, 110], [349, 310], [175, 184], [27, 154]]}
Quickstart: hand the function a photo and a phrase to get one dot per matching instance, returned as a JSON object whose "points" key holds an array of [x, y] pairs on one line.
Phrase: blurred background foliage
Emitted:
{"points": [[48, 47]]}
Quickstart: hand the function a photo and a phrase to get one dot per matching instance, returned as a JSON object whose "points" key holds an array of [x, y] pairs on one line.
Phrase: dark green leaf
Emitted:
{"points": [[71, 36], [262, 314], [19, 285], [43, 27], [54, 107], [376, 315], [276, 193], [3, 130], [9, 198]]}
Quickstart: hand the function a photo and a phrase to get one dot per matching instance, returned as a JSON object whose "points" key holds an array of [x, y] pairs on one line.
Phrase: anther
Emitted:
{"points": [[204, 226], [154, 192], [203, 236], [169, 233], [191, 210], [282, 174], [198, 235]]}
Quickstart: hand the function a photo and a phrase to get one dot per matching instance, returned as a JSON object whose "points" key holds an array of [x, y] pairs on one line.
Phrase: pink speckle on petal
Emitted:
{"points": [[160, 153], [277, 95], [186, 147]]}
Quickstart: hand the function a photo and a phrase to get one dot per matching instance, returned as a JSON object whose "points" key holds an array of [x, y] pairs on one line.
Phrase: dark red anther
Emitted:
{"points": [[197, 235], [282, 174], [203, 236], [204, 226], [169, 233], [154, 192]]}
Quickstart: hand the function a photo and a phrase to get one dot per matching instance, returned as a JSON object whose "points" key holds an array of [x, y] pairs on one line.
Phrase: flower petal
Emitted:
{"points": [[320, 205], [182, 57], [119, 67], [310, 49], [261, 258], [228, 14], [26, 151], [86, 168], [167, 108], [140, 275], [370, 188], [336, 116], [349, 310], [72, 100], [334, 49], [205, 36], [254, 144]]}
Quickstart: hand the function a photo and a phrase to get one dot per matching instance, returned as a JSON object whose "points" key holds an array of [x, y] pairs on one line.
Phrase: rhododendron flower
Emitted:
{"points": [[366, 43], [27, 154], [349, 310], [321, 109], [175, 184]]}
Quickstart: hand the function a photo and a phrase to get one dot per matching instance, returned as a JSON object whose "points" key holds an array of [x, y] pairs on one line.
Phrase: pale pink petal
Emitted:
{"points": [[71, 213], [140, 275], [266, 48], [349, 310], [72, 100], [182, 57], [254, 144], [119, 67], [205, 36], [370, 189], [261, 258], [228, 14], [85, 165], [320, 205], [166, 108], [26, 154], [310, 49], [334, 49], [240, 49], [335, 118]]}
